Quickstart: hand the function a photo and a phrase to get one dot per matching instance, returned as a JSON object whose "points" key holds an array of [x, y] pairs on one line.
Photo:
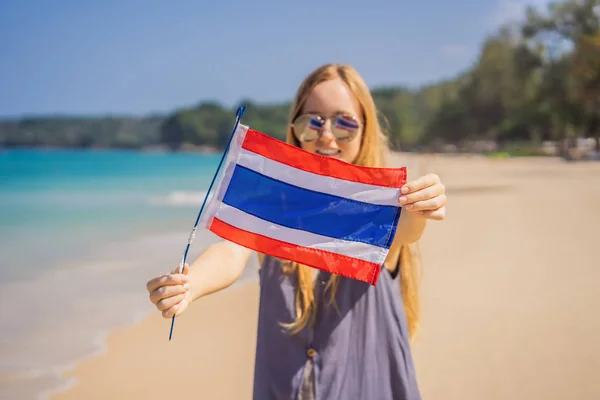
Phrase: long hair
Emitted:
{"points": [[373, 153]]}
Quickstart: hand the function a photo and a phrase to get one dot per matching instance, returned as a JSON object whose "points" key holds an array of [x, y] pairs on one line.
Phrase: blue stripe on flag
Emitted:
{"points": [[320, 213]]}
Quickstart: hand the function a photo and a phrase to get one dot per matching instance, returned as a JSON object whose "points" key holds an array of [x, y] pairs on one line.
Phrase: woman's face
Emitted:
{"points": [[328, 100]]}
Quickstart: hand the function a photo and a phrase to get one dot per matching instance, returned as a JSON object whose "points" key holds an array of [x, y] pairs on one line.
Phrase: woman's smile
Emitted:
{"points": [[328, 152]]}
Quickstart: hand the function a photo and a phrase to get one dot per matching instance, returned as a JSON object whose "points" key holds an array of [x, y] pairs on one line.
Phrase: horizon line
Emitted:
{"points": [[220, 103]]}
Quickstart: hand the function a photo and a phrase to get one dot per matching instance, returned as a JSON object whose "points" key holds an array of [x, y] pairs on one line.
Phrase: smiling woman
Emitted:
{"points": [[324, 315], [331, 122]]}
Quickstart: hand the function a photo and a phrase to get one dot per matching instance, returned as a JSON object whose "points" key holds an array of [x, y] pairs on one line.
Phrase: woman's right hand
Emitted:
{"points": [[170, 293]]}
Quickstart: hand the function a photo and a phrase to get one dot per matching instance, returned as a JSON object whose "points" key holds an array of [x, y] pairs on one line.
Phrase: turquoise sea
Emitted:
{"points": [[80, 234]]}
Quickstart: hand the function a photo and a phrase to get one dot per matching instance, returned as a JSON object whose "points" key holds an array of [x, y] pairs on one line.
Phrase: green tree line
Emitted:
{"points": [[535, 81]]}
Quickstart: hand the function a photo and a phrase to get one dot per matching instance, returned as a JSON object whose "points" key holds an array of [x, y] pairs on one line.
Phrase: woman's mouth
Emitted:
{"points": [[328, 153]]}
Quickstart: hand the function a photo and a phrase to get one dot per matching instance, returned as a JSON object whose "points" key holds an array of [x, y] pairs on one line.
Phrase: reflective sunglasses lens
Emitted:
{"points": [[307, 128], [345, 127]]}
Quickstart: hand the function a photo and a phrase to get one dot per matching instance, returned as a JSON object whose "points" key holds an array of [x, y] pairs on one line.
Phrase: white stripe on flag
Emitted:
{"points": [[367, 193], [227, 172], [250, 223]]}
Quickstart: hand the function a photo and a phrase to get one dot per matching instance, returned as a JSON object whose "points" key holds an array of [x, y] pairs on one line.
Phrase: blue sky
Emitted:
{"points": [[140, 57]]}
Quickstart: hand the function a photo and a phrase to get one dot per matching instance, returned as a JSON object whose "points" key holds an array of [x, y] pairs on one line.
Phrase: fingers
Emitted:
{"points": [[421, 195], [169, 292], [176, 310], [425, 196], [429, 204], [166, 280], [169, 302], [166, 292], [438, 215], [420, 183]]}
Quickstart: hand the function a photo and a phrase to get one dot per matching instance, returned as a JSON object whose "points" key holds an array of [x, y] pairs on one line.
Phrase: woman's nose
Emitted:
{"points": [[326, 135]]}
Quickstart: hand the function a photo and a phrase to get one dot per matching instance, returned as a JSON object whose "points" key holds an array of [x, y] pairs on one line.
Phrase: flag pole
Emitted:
{"points": [[238, 117]]}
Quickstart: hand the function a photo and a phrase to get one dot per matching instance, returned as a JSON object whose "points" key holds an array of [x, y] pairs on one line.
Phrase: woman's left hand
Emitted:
{"points": [[425, 196]]}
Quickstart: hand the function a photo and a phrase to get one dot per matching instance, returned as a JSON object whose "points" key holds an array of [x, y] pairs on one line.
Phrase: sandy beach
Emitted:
{"points": [[509, 292]]}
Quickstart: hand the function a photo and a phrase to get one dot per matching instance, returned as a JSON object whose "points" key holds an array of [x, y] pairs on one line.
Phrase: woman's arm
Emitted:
{"points": [[421, 200], [410, 228], [218, 267]]}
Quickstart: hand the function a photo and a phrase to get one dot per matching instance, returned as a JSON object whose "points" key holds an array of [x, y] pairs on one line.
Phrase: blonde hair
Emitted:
{"points": [[373, 153]]}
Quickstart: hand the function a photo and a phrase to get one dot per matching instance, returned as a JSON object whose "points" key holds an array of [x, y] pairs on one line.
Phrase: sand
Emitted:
{"points": [[509, 293]]}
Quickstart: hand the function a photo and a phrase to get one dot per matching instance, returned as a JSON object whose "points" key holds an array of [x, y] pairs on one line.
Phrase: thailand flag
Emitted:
{"points": [[280, 200]]}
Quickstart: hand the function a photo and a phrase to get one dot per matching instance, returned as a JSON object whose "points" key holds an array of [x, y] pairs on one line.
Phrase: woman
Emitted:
{"points": [[322, 336]]}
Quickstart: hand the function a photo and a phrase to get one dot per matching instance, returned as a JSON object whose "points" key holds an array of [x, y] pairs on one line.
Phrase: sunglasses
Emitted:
{"points": [[309, 127]]}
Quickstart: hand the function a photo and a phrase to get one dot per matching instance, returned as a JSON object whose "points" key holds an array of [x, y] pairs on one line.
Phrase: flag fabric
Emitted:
{"points": [[280, 200]]}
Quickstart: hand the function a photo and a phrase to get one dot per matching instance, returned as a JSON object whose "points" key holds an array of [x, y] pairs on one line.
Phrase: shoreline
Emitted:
{"points": [[101, 343], [49, 346], [68, 373], [59, 373], [80, 375], [578, 155]]}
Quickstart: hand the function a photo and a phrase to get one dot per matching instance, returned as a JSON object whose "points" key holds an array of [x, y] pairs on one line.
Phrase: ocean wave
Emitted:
{"points": [[181, 198]]}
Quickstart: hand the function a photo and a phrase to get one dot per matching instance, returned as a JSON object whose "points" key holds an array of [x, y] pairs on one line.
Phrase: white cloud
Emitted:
{"points": [[455, 51]]}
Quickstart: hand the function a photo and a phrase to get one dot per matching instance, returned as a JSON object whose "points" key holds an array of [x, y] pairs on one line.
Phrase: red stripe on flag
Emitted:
{"points": [[330, 262], [285, 153]]}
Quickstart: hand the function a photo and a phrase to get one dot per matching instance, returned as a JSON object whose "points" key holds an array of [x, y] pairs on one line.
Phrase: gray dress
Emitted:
{"points": [[359, 351]]}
